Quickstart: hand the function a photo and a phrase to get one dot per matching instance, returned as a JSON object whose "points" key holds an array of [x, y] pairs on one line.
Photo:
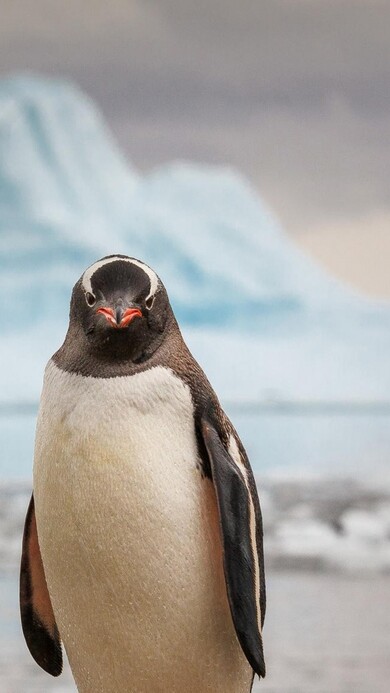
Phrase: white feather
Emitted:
{"points": [[88, 274], [129, 536]]}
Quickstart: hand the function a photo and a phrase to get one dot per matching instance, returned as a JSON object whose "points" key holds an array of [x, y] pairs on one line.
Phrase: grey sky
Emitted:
{"points": [[295, 93]]}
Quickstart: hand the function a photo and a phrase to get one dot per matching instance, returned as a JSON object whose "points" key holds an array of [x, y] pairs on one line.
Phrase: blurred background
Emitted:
{"points": [[241, 149]]}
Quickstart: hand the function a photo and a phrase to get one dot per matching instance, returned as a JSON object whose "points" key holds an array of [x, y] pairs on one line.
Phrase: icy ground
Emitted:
{"points": [[323, 634], [328, 567], [327, 547]]}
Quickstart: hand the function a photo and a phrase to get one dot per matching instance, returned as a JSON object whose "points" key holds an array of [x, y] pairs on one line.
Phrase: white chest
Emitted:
{"points": [[129, 535], [115, 461]]}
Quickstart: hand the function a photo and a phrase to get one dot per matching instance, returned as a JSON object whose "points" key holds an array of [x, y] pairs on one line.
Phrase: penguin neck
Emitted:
{"points": [[76, 356]]}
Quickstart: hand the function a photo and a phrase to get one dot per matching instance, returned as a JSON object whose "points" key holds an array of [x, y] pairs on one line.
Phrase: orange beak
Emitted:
{"points": [[120, 319]]}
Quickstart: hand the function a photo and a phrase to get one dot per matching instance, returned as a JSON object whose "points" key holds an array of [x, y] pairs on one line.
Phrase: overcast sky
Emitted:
{"points": [[295, 93]]}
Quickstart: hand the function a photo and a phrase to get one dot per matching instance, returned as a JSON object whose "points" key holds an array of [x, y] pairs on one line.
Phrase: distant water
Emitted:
{"points": [[16, 445], [316, 443], [309, 442]]}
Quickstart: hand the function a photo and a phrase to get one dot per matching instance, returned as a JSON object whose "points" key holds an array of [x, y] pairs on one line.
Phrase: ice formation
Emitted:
{"points": [[264, 321]]}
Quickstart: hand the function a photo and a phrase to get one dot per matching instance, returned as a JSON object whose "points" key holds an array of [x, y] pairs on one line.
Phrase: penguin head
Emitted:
{"points": [[122, 307]]}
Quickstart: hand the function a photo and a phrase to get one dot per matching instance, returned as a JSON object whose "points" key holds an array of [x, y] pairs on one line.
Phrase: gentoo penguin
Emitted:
{"points": [[142, 547]]}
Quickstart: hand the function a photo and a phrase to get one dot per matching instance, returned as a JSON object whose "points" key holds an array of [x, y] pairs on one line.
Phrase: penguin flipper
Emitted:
{"points": [[38, 622], [239, 517]]}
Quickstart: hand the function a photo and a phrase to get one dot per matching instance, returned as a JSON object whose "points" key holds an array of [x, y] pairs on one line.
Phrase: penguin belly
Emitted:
{"points": [[129, 537]]}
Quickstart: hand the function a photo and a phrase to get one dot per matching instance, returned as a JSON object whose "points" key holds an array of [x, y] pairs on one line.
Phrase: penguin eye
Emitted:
{"points": [[90, 299], [149, 302]]}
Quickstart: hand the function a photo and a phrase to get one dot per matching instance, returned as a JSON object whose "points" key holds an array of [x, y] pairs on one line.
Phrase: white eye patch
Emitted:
{"points": [[88, 274]]}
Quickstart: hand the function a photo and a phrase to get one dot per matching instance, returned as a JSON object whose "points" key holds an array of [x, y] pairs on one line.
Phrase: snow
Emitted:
{"points": [[366, 525], [337, 525]]}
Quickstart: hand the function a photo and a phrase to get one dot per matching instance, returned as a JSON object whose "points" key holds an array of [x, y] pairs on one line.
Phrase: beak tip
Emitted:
{"points": [[128, 316], [120, 318]]}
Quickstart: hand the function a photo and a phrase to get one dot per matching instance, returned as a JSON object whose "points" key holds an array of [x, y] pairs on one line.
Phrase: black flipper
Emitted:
{"points": [[38, 622], [240, 522]]}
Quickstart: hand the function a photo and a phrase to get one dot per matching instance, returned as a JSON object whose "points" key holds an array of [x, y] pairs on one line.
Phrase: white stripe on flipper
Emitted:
{"points": [[88, 274], [235, 454]]}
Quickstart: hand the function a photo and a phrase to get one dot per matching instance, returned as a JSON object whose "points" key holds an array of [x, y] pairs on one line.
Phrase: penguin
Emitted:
{"points": [[143, 542]]}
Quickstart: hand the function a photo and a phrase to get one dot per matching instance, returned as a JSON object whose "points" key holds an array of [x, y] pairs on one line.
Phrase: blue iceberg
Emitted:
{"points": [[263, 319]]}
